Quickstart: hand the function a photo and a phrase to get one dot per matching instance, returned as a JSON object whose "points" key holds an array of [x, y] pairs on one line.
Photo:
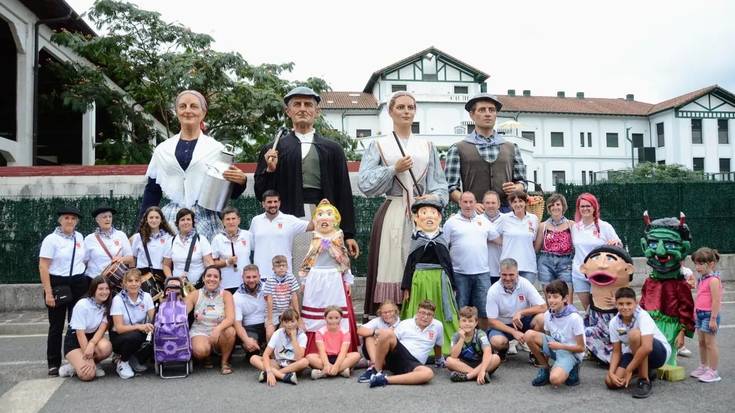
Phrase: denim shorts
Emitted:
{"points": [[563, 359], [702, 321], [472, 290], [581, 285], [554, 267]]}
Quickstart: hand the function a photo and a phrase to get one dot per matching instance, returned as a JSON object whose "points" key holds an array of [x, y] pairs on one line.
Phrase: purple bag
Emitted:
{"points": [[171, 336]]}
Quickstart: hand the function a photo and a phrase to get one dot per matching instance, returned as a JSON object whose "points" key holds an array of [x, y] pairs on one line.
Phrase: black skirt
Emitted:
{"points": [[71, 342]]}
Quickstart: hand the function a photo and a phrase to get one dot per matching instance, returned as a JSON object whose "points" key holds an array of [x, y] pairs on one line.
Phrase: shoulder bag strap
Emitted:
{"points": [[102, 244], [73, 252], [191, 251], [147, 254]]}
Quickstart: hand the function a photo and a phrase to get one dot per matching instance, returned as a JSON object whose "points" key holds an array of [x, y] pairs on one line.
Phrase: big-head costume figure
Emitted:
{"points": [[666, 294], [607, 268], [428, 273]]}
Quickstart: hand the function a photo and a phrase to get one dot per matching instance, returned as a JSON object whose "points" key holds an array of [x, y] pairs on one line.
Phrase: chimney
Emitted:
{"points": [[526, 92], [629, 97], [511, 92], [580, 95], [560, 94]]}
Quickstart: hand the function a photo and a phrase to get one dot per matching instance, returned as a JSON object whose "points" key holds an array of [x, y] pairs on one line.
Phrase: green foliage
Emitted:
{"points": [[652, 172], [152, 61]]}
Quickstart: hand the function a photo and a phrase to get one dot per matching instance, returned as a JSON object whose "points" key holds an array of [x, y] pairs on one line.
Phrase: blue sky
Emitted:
{"points": [[653, 49]]}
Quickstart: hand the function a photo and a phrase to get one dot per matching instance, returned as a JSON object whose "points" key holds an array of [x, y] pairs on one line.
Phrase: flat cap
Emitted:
{"points": [[427, 202], [481, 97], [301, 91]]}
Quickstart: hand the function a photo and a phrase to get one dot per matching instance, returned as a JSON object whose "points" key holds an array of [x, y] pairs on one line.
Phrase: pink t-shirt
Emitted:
{"points": [[332, 340], [703, 301]]}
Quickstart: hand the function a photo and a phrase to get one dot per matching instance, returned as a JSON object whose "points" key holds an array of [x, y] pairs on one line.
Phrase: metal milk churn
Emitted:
{"points": [[215, 189]]}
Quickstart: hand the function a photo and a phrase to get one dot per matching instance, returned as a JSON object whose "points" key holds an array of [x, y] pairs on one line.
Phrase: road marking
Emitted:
{"points": [[29, 396], [21, 363], [727, 326], [22, 335]]}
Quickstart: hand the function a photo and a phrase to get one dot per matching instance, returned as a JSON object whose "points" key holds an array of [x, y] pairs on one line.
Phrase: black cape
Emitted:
{"points": [[288, 178], [425, 250]]}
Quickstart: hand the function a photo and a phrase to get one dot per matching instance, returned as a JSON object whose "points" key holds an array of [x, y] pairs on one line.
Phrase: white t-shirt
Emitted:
{"points": [[180, 250], [59, 250], [271, 238], [420, 342], [518, 237], [643, 322], [157, 248], [282, 347], [222, 248], [468, 239], [565, 329], [138, 310], [87, 315], [378, 323], [249, 309], [585, 239], [501, 305], [493, 249], [96, 257]]}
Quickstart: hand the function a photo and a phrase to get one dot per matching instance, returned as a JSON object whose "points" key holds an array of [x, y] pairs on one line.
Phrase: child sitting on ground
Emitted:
{"points": [[707, 311], [280, 292], [387, 319], [333, 344], [471, 357], [638, 344], [287, 345], [564, 341]]}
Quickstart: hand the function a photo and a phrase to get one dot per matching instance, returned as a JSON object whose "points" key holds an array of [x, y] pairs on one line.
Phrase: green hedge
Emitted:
{"points": [[25, 222]]}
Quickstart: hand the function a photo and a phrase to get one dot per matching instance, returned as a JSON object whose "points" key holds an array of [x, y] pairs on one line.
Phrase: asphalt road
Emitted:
{"points": [[22, 365]]}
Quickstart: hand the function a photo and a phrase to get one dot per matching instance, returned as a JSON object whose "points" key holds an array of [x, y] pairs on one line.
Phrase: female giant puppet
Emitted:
{"points": [[666, 294], [326, 276]]}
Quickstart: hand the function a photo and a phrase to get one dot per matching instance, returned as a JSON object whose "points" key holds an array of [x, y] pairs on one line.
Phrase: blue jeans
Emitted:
{"points": [[472, 290], [554, 267], [530, 276]]}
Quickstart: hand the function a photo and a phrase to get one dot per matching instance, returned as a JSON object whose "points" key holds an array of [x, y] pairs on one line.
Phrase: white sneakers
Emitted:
{"points": [[316, 374], [67, 370], [124, 370], [345, 373], [512, 347]]}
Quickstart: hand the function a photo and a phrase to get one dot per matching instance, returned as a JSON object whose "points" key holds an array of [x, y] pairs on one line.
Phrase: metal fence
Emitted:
{"points": [[708, 206]]}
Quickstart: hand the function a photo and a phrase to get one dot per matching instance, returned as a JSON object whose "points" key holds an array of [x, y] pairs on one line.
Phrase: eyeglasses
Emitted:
{"points": [[425, 313]]}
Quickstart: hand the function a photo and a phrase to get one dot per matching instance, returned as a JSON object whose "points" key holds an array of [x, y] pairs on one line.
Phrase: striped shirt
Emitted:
{"points": [[281, 289]]}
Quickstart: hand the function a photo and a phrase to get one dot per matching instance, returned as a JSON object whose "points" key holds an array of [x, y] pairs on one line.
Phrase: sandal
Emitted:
{"points": [[207, 364], [226, 369]]}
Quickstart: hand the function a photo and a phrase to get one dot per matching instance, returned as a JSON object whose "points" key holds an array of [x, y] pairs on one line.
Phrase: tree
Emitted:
{"points": [[652, 172], [152, 61]]}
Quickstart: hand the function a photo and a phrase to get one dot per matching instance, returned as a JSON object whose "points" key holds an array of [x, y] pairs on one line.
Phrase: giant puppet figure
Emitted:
{"points": [[326, 276], [428, 273], [608, 268], [666, 294]]}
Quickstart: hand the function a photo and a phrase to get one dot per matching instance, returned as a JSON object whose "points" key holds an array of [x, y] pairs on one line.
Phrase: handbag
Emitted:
{"points": [[62, 293]]}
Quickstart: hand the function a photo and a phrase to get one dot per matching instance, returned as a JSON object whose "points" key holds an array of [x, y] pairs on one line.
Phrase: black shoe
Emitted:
{"points": [[573, 378], [53, 371], [642, 389], [503, 355], [532, 360]]}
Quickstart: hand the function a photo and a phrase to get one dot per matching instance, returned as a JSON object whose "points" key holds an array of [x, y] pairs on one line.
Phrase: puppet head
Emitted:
{"points": [[326, 217], [427, 214], [607, 268], [665, 245]]}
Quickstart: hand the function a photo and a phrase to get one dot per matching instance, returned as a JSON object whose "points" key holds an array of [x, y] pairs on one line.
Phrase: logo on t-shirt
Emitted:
{"points": [[479, 223], [244, 242], [79, 245], [431, 335], [117, 242], [521, 297], [163, 241], [280, 225]]}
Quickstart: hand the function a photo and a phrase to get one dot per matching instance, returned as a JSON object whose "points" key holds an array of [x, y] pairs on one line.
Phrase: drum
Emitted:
{"points": [[152, 283], [113, 275]]}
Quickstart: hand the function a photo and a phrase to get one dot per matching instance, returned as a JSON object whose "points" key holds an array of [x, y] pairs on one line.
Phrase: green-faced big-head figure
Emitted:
{"points": [[665, 245]]}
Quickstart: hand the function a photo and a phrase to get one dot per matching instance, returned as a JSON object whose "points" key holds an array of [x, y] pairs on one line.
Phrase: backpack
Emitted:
{"points": [[171, 342]]}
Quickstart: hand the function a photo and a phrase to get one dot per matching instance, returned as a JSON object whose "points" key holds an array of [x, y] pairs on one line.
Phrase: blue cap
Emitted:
{"points": [[302, 91]]}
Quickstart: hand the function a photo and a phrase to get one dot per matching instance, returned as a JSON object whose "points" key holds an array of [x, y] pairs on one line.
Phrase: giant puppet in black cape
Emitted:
{"points": [[428, 273]]}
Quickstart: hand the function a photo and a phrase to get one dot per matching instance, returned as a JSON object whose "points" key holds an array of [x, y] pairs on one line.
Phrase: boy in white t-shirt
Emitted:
{"points": [[387, 319], [638, 345], [562, 342], [404, 351]]}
